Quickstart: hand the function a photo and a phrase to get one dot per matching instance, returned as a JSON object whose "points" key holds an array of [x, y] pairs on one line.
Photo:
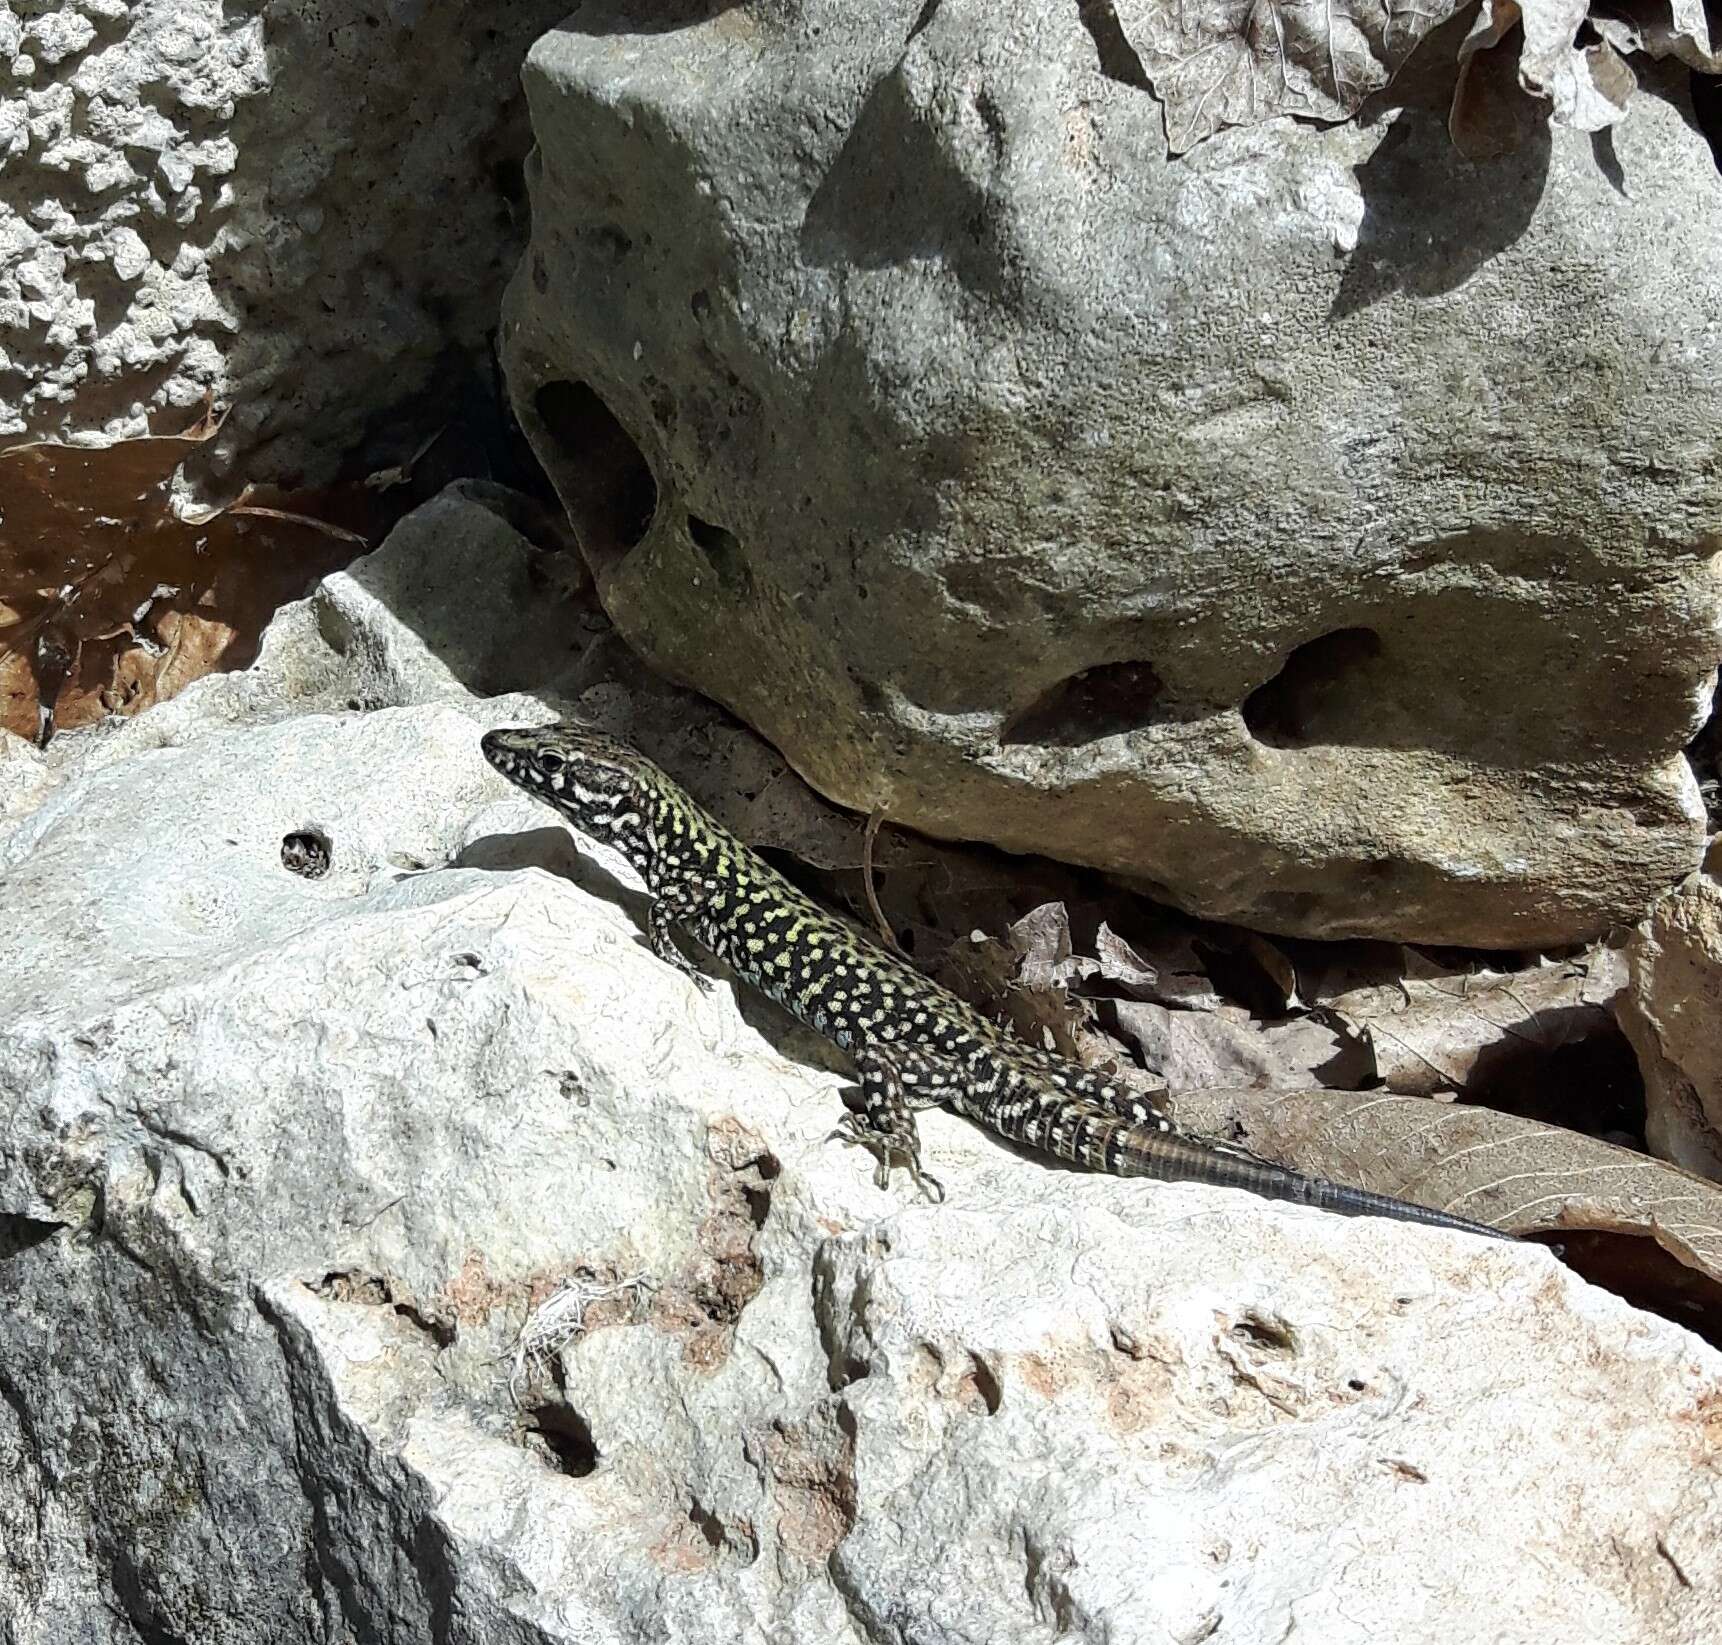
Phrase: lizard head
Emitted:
{"points": [[601, 785]]}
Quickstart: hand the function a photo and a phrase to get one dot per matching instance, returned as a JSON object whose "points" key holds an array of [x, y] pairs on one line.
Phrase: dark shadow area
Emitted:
{"points": [[1104, 701], [892, 196], [1118, 58], [390, 340], [1431, 217], [1608, 162], [1705, 754], [1705, 95], [1636, 1268], [601, 474], [19, 1234], [614, 17], [562, 1436], [1308, 701]]}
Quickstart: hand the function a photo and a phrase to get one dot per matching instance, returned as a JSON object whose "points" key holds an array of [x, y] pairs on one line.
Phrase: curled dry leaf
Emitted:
{"points": [[1219, 63], [1514, 1174], [1661, 28], [1586, 86], [1214, 64], [1458, 1032], [1170, 973]]}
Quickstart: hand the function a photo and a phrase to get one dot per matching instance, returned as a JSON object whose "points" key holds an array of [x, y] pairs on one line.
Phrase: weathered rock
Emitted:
{"points": [[286, 1162], [301, 210], [1671, 1010], [1319, 526]]}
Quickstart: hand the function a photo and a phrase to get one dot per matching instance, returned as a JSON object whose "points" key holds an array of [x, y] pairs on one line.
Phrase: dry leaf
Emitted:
{"points": [[1172, 972], [1219, 63], [1455, 1032], [1661, 28], [1586, 86], [1194, 1050], [1045, 958], [1490, 113], [1511, 1173]]}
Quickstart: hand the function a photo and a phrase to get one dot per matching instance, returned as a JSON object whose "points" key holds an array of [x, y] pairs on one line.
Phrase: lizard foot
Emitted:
{"points": [[885, 1148]]}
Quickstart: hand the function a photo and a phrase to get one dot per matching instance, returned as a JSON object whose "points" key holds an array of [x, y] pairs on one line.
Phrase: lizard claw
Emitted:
{"points": [[853, 1128]]}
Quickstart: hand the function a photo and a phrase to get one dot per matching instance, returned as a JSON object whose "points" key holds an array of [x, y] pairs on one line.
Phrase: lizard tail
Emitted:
{"points": [[1138, 1152]]}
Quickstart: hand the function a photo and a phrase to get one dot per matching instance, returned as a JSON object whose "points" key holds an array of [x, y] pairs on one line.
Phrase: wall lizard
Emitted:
{"points": [[915, 1044]]}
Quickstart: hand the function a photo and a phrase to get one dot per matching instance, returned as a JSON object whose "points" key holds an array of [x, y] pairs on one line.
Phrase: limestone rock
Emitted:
{"points": [[288, 1159], [1671, 1010], [1317, 527]]}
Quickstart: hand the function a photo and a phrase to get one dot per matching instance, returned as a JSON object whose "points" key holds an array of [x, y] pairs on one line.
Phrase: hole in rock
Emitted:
{"points": [[565, 1436], [982, 1381], [306, 852], [723, 552], [603, 478], [1103, 701], [1273, 1335], [1314, 688]]}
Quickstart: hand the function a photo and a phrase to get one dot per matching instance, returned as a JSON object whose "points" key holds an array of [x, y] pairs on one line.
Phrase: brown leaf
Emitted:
{"points": [[1219, 63], [1045, 958], [1452, 1032], [189, 647], [1514, 1174], [1169, 973], [1661, 28], [1587, 86], [1491, 115], [1194, 1050]]}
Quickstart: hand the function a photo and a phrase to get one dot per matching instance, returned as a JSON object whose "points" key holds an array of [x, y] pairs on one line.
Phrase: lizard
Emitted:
{"points": [[915, 1044]]}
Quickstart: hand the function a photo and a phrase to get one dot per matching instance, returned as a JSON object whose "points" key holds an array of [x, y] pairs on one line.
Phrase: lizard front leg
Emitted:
{"points": [[672, 905], [896, 1080]]}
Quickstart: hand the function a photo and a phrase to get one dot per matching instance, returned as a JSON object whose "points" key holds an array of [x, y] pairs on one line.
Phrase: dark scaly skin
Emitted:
{"points": [[915, 1044]]}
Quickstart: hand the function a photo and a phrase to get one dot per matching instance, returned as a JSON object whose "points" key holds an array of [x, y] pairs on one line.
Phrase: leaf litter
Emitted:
{"points": [[1220, 64]]}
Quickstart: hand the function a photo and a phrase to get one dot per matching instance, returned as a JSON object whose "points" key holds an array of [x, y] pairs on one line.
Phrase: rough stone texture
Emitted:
{"points": [[1671, 1010], [1320, 527], [286, 1162], [300, 206]]}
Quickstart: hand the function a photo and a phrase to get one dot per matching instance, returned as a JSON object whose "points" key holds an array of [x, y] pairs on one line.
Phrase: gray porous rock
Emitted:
{"points": [[393, 1250], [1319, 527], [302, 208]]}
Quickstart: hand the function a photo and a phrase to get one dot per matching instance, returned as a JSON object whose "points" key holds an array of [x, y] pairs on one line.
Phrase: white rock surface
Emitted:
{"points": [[300, 208], [286, 1164]]}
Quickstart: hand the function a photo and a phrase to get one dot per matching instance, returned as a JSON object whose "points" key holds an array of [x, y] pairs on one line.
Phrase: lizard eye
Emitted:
{"points": [[550, 764]]}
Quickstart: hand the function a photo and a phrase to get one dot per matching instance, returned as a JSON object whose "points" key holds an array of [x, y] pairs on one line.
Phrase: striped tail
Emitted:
{"points": [[1139, 1152], [1048, 1119]]}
